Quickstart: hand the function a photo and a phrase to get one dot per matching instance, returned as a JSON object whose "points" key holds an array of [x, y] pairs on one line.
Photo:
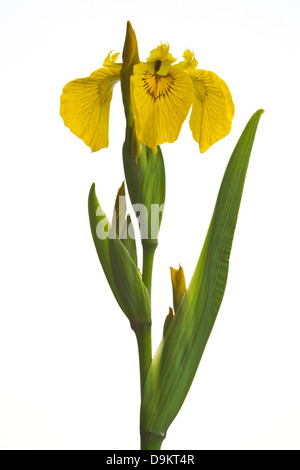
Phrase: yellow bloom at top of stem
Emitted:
{"points": [[162, 95], [159, 94]]}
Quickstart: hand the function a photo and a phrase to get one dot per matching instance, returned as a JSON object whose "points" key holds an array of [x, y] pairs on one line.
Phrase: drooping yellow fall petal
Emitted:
{"points": [[85, 104], [212, 110], [160, 104]]}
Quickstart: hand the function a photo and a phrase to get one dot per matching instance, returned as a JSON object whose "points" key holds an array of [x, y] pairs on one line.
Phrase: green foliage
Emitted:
{"points": [[175, 363], [119, 266]]}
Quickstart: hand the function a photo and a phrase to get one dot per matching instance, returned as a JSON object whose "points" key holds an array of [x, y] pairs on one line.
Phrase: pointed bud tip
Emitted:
{"points": [[121, 192], [122, 189], [171, 312], [177, 272], [168, 320], [178, 285], [120, 207], [130, 51]]}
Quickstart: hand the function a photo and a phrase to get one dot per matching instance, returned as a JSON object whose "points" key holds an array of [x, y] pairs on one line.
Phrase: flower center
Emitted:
{"points": [[157, 86]]}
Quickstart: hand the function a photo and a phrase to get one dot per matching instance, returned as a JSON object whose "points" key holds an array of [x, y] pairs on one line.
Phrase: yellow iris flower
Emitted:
{"points": [[162, 94]]}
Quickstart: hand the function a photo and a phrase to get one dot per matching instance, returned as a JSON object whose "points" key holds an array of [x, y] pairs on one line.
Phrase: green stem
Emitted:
{"points": [[143, 331], [148, 257], [151, 441], [143, 336]]}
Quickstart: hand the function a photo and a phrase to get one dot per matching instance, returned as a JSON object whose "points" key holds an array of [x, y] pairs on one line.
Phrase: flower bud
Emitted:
{"points": [[130, 58], [179, 287], [119, 267]]}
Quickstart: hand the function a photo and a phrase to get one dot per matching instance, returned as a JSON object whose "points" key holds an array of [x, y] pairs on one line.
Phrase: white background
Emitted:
{"points": [[68, 359]]}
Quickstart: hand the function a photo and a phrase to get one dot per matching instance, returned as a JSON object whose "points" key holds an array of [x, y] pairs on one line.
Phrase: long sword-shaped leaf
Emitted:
{"points": [[175, 363]]}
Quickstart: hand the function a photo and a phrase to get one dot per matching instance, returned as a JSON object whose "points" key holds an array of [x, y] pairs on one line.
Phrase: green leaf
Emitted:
{"points": [[120, 269], [176, 361]]}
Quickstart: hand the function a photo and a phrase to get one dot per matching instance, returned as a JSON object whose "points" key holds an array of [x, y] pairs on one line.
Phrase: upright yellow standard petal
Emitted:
{"points": [[160, 60], [111, 60], [189, 61], [85, 105], [212, 110], [160, 104]]}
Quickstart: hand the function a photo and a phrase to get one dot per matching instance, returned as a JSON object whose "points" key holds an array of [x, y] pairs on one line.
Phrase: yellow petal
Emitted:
{"points": [[85, 105], [160, 104], [189, 61], [111, 60], [178, 284], [212, 110]]}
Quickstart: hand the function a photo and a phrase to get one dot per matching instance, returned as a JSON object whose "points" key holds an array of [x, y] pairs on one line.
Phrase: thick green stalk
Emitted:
{"points": [[151, 441], [148, 258], [143, 331], [143, 336]]}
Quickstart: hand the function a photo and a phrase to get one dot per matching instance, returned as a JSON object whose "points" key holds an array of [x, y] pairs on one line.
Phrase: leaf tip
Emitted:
{"points": [[92, 192]]}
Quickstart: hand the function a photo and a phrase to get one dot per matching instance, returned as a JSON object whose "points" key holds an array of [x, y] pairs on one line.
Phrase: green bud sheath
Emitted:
{"points": [[128, 239], [152, 193], [119, 267]]}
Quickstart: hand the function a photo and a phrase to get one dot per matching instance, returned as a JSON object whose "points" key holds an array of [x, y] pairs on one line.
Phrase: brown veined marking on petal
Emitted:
{"points": [[157, 86]]}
